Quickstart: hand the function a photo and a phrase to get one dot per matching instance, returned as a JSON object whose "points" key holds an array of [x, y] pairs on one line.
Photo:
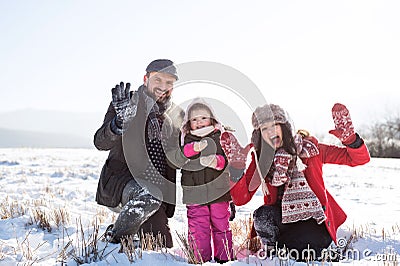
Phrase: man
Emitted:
{"points": [[138, 180]]}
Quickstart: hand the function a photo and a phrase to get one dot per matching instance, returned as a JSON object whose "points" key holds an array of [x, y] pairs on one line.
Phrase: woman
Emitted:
{"points": [[298, 212]]}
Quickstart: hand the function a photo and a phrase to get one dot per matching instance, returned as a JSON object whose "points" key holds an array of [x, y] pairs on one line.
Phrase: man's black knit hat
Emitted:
{"points": [[163, 66]]}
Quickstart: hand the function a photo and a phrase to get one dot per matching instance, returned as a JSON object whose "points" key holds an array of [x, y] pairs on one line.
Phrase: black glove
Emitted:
{"points": [[124, 108], [233, 211], [235, 174]]}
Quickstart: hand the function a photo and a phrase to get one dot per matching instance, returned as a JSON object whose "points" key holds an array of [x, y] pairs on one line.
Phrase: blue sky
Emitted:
{"points": [[303, 55]]}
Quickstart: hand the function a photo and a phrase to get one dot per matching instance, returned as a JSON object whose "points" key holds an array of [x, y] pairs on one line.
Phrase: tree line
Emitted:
{"points": [[383, 137]]}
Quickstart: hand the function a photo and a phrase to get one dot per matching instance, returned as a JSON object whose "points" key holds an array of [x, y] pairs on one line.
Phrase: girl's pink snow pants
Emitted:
{"points": [[206, 223]]}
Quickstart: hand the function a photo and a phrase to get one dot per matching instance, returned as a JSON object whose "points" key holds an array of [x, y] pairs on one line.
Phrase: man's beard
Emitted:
{"points": [[162, 99]]}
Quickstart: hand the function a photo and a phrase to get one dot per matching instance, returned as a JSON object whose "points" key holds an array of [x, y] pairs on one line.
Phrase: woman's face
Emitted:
{"points": [[199, 118], [271, 132]]}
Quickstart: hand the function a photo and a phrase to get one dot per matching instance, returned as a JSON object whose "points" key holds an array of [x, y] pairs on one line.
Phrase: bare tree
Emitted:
{"points": [[383, 137]]}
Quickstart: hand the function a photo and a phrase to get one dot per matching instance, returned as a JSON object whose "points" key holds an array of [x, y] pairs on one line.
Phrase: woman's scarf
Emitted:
{"points": [[299, 202]]}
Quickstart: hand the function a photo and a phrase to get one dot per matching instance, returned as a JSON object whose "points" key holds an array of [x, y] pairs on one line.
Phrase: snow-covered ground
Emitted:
{"points": [[62, 183]]}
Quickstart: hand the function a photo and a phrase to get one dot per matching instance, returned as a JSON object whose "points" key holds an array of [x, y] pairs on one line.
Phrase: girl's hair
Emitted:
{"points": [[265, 153], [198, 106], [288, 141]]}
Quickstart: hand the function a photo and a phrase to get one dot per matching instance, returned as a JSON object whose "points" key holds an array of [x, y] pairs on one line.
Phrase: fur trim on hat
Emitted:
{"points": [[197, 102], [268, 113]]}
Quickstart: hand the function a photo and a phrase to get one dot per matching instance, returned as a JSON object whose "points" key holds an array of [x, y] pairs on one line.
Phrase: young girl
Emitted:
{"points": [[298, 212], [205, 184]]}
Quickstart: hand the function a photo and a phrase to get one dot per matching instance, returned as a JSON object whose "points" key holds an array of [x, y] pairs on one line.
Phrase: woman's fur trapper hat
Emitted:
{"points": [[268, 113]]}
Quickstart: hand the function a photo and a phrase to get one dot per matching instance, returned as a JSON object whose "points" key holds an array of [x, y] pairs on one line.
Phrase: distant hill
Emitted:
{"points": [[20, 138], [47, 129]]}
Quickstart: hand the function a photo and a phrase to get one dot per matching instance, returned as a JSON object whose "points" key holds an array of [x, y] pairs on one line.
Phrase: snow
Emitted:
{"points": [[52, 181]]}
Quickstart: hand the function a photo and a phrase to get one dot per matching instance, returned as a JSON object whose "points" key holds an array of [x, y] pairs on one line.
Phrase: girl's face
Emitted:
{"points": [[199, 118], [271, 132]]}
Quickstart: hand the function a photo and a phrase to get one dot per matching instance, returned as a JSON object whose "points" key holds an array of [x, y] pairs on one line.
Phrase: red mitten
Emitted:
{"points": [[344, 129], [235, 153]]}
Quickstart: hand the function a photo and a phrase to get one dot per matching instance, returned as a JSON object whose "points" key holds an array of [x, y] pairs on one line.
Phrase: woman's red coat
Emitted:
{"points": [[243, 191]]}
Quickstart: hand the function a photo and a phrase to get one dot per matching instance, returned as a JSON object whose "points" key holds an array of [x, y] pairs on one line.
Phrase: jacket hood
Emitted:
{"points": [[198, 102]]}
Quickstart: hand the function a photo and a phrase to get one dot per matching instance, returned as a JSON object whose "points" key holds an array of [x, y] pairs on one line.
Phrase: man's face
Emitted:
{"points": [[159, 85]]}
